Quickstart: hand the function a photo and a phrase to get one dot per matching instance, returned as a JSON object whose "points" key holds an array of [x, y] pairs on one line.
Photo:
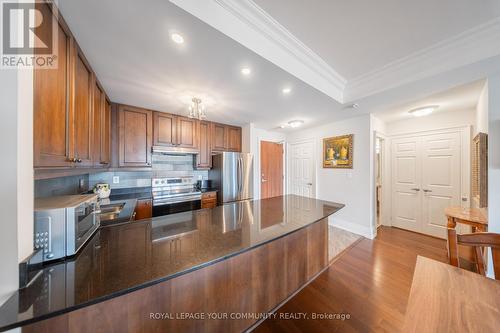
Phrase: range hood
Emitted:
{"points": [[174, 150]]}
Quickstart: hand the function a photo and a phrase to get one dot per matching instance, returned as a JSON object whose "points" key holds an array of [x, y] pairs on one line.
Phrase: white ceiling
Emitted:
{"points": [[464, 97], [129, 47], [358, 36]]}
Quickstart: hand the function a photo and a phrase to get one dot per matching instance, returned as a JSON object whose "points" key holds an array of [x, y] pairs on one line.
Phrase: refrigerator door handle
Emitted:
{"points": [[240, 176]]}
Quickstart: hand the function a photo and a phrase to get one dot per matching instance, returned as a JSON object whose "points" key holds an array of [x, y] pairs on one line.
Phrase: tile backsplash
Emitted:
{"points": [[61, 186], [163, 166]]}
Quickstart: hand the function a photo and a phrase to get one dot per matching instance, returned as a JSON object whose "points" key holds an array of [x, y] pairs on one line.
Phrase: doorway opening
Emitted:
{"points": [[271, 169], [379, 178]]}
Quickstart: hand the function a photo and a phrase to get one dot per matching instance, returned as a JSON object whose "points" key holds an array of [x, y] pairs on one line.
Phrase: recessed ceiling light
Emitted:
{"points": [[286, 90], [246, 71], [295, 123], [177, 38], [424, 111]]}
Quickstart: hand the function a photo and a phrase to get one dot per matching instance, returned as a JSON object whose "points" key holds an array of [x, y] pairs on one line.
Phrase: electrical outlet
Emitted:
{"points": [[116, 179]]}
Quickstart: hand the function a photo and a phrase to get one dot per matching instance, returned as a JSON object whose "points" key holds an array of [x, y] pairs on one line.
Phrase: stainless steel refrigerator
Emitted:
{"points": [[232, 176]]}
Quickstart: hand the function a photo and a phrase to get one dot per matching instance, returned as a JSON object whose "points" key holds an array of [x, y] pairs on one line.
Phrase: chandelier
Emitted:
{"points": [[197, 109]]}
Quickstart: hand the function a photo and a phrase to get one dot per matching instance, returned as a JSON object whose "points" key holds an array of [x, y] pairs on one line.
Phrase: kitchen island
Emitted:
{"points": [[207, 270]]}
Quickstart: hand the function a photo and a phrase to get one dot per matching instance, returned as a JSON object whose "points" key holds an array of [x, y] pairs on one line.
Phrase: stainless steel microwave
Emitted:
{"points": [[63, 224]]}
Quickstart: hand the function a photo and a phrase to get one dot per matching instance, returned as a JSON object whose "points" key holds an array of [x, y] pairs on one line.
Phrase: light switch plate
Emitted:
{"points": [[116, 179]]}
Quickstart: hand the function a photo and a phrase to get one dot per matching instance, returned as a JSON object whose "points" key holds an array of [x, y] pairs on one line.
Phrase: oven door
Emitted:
{"points": [[172, 206]]}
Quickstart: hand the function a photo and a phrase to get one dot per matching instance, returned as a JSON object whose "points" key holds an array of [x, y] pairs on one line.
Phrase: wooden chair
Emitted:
{"points": [[478, 240]]}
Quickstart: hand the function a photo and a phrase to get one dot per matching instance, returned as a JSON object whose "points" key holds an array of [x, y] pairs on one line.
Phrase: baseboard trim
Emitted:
{"points": [[352, 227]]}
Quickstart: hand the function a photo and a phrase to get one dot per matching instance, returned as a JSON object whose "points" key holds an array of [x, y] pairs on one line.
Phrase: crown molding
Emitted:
{"points": [[471, 46], [248, 24]]}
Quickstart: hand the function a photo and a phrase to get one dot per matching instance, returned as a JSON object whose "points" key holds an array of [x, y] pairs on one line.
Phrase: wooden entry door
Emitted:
{"points": [[271, 169]]}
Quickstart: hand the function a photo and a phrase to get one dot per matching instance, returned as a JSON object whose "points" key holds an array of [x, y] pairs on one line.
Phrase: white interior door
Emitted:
{"points": [[441, 174], [406, 183], [301, 157], [426, 178]]}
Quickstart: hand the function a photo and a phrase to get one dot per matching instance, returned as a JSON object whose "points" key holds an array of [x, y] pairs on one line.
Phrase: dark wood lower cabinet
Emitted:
{"points": [[143, 209], [255, 281]]}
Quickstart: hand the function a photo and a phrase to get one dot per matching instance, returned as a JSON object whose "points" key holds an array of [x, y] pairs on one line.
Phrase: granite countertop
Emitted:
{"points": [[122, 258]]}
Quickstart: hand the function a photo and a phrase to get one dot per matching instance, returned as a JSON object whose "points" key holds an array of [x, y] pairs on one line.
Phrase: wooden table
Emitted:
{"points": [[473, 217], [469, 216], [444, 298]]}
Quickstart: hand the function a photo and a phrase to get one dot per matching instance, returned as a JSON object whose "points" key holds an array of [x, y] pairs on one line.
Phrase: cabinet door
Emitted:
{"points": [[143, 209], [219, 137], [98, 114], [106, 133], [82, 120], [135, 127], [165, 129], [234, 138], [204, 158], [187, 130], [50, 103]]}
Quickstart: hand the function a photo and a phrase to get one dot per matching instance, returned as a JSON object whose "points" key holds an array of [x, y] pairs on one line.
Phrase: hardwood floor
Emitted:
{"points": [[370, 282]]}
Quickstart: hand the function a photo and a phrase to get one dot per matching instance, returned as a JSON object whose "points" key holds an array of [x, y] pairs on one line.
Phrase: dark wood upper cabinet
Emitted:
{"points": [[82, 120], [174, 131], [219, 137], [106, 134], [102, 130], [187, 132], [51, 103], [234, 138], [98, 118], [204, 158], [135, 133], [165, 129]]}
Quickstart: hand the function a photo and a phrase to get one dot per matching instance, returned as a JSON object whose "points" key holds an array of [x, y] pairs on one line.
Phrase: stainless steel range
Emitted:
{"points": [[174, 195]]}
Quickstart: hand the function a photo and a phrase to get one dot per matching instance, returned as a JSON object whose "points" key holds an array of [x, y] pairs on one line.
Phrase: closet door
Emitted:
{"points": [[441, 174], [406, 181]]}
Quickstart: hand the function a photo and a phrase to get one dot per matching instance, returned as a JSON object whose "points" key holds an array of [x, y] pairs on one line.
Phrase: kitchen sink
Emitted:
{"points": [[111, 211]]}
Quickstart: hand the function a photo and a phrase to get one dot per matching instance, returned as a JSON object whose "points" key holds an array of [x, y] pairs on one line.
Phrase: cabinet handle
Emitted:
{"points": [[104, 162], [79, 160], [415, 189], [427, 191]]}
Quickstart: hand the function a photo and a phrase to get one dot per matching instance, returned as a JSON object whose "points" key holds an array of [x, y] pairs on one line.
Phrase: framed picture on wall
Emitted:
{"points": [[338, 152]]}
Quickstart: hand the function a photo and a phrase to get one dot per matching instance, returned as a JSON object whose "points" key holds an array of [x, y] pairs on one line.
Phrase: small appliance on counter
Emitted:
{"points": [[64, 223], [232, 176], [203, 185], [102, 190]]}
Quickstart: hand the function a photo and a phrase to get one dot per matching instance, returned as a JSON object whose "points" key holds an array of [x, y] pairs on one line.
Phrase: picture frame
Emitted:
{"points": [[338, 152]]}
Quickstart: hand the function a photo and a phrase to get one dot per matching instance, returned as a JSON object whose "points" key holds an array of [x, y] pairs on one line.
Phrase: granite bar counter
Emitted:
{"points": [[167, 263]]}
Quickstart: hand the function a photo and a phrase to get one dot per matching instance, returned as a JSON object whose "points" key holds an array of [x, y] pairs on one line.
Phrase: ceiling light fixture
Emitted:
{"points": [[246, 71], [423, 111], [197, 109], [293, 124], [286, 90], [177, 38]]}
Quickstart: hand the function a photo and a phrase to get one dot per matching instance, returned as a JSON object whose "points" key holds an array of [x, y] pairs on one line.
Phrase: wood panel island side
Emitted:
{"points": [[210, 270]]}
